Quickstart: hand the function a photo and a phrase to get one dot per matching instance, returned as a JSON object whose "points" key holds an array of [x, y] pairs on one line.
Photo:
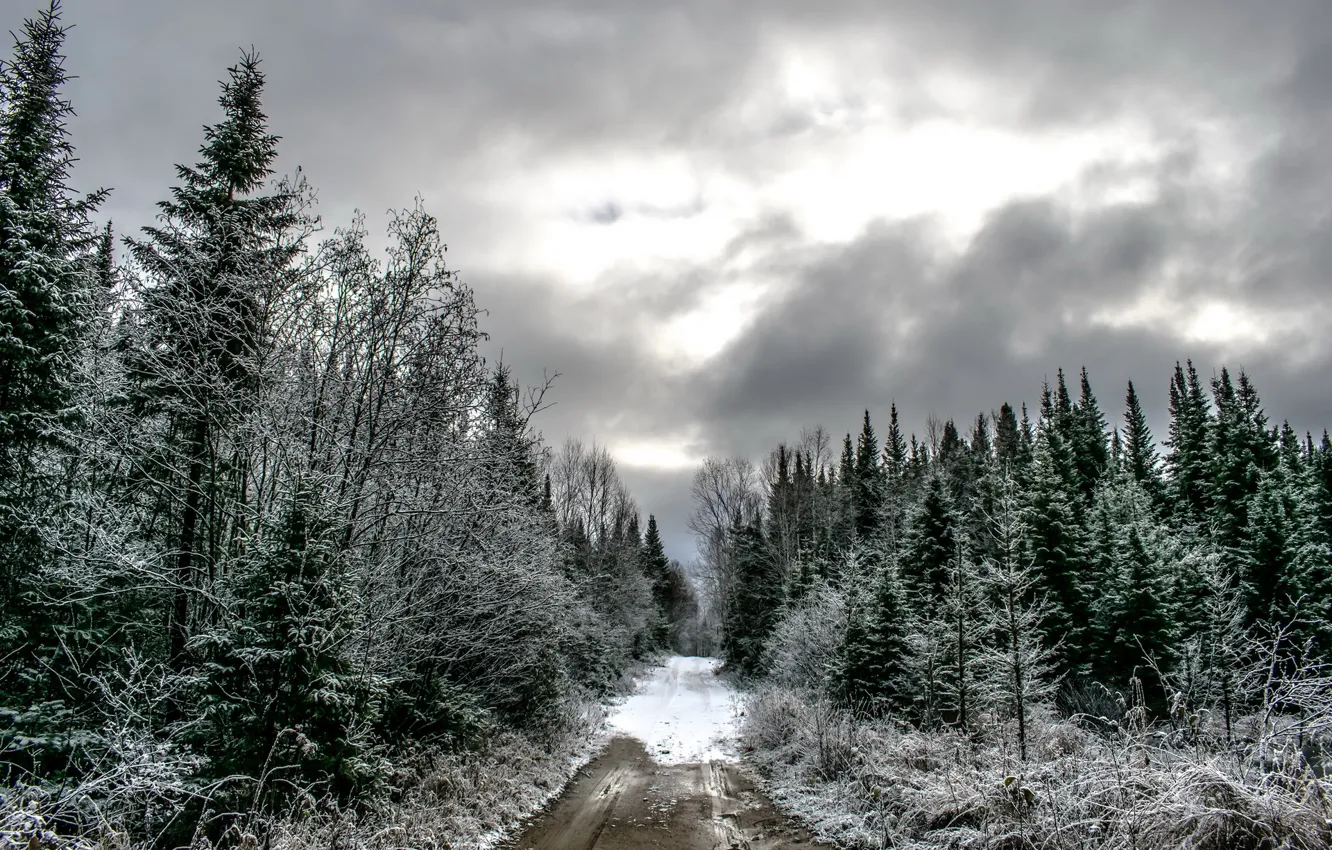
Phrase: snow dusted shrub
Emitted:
{"points": [[802, 651], [1078, 788], [775, 718], [467, 799], [26, 821]]}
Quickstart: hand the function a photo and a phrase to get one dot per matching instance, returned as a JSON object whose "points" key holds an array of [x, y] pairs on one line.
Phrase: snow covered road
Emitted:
{"points": [[668, 778], [682, 713]]}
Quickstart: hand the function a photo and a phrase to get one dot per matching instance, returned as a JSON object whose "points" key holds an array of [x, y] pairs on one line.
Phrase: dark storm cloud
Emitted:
{"points": [[380, 101]]}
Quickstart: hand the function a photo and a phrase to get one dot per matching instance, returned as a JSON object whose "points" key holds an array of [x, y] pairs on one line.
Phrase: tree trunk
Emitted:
{"points": [[178, 625]]}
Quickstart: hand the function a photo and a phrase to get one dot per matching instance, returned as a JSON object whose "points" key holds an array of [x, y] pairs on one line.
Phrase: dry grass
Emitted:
{"points": [[875, 783]]}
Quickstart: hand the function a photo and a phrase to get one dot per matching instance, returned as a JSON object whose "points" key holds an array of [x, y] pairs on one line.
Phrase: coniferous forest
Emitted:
{"points": [[279, 549], [284, 559], [1131, 639]]}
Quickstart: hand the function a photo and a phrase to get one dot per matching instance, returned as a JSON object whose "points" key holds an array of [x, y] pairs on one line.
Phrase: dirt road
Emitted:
{"points": [[673, 784]]}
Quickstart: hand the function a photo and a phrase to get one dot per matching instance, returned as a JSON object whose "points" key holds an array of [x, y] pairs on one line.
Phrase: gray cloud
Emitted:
{"points": [[381, 101]]}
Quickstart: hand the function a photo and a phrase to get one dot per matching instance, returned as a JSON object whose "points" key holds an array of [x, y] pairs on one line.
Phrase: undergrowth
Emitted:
{"points": [[872, 782]]}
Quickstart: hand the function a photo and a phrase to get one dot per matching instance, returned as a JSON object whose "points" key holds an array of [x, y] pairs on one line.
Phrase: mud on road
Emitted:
{"points": [[624, 800]]}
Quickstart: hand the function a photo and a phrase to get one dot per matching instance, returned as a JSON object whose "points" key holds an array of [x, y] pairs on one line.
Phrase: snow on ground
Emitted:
{"points": [[682, 712]]}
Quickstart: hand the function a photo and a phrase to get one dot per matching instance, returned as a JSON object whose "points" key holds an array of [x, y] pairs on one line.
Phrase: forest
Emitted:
{"points": [[282, 556], [1038, 631], [286, 561]]}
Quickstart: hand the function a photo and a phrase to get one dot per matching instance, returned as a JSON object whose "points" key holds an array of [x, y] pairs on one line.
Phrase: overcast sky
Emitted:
{"points": [[721, 220]]}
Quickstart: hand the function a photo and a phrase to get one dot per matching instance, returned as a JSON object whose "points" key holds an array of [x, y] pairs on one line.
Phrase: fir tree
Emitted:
{"points": [[1088, 429], [867, 492], [281, 695], [657, 567], [1140, 457], [45, 240], [217, 250], [874, 668], [756, 596], [1187, 461], [931, 542], [1054, 541]]}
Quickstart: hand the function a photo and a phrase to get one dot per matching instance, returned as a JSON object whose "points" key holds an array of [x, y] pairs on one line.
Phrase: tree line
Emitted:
{"points": [[982, 570], [269, 522]]}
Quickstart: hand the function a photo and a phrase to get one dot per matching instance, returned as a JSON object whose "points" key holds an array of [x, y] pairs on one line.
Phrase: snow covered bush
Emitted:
{"points": [[802, 651], [901, 787]]}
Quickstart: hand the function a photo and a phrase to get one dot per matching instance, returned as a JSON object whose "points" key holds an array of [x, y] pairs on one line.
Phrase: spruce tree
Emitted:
{"points": [[1140, 458], [657, 567], [1088, 429], [1269, 576], [894, 447], [1054, 543], [867, 493], [1006, 436], [1136, 616], [1187, 462], [46, 268], [510, 447], [281, 696], [874, 671], [50, 268], [211, 261], [757, 594], [931, 542], [1234, 464], [844, 526], [1026, 447], [1018, 663], [963, 622]]}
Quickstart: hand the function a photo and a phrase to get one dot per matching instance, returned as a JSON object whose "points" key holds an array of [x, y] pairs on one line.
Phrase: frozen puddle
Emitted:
{"points": [[682, 713]]}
